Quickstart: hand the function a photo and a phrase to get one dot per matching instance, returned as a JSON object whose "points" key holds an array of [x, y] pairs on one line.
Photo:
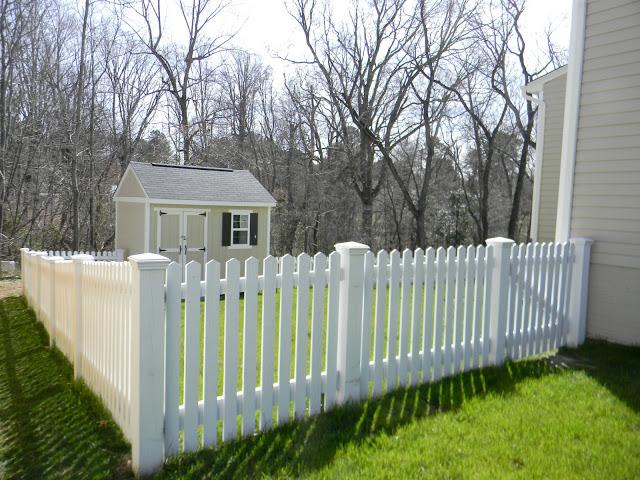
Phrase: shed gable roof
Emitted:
{"points": [[200, 184]]}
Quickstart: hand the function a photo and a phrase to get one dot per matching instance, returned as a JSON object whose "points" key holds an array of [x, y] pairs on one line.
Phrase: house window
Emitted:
{"points": [[240, 229]]}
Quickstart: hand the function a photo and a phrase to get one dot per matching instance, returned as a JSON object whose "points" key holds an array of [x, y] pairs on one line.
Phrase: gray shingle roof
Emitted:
{"points": [[194, 184]]}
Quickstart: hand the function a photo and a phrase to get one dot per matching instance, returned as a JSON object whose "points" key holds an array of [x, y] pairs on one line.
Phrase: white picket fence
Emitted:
{"points": [[313, 332], [85, 305], [116, 255]]}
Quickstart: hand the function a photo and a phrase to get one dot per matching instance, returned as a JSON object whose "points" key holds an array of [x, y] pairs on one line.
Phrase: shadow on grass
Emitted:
{"points": [[302, 447], [615, 367], [50, 426]]}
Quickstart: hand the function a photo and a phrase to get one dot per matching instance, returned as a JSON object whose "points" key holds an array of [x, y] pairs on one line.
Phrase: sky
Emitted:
{"points": [[265, 28]]}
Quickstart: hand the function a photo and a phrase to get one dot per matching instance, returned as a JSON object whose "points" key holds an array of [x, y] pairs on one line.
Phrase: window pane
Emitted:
{"points": [[244, 221], [236, 221], [240, 238]]}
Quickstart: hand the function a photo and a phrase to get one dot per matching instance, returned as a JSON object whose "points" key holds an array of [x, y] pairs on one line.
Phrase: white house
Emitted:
{"points": [[587, 180]]}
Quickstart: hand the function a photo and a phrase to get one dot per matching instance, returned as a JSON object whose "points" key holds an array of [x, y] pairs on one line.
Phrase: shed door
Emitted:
{"points": [[195, 243], [169, 234]]}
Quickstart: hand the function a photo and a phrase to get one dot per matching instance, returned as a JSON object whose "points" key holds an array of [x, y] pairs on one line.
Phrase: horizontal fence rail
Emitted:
{"points": [[183, 363]]}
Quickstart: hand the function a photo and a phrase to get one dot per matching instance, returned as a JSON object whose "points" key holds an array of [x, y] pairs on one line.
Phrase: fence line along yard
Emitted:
{"points": [[295, 336]]}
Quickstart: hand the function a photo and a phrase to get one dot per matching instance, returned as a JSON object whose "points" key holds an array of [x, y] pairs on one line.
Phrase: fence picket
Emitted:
{"points": [[488, 265], [210, 360], [448, 331], [427, 315], [478, 305], [365, 337], [332, 330], [553, 302], [469, 285], [439, 314], [302, 328], [520, 292], [270, 270], [544, 261], [191, 355], [392, 328], [230, 382], [317, 322], [416, 314], [378, 340], [249, 346], [284, 342], [405, 311], [459, 309]]}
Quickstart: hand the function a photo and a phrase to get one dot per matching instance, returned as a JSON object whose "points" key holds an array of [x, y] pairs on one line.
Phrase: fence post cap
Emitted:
{"points": [[149, 261], [499, 241], [81, 257], [352, 247], [55, 258], [24, 249], [581, 240]]}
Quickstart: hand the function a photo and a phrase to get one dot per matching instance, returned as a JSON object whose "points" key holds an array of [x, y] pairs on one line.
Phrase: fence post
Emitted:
{"points": [[147, 361], [77, 335], [350, 319], [578, 292], [498, 297]]}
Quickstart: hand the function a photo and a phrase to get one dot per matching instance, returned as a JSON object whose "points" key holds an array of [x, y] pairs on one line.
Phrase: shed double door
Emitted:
{"points": [[182, 235]]}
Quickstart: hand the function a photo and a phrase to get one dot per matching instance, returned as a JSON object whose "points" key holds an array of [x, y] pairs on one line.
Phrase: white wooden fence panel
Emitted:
{"points": [[431, 319]]}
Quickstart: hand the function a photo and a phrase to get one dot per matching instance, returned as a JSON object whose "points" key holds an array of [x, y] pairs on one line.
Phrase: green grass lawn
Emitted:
{"points": [[572, 415], [50, 426]]}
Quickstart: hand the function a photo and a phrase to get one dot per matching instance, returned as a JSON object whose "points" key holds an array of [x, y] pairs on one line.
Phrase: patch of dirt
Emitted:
{"points": [[10, 287]]}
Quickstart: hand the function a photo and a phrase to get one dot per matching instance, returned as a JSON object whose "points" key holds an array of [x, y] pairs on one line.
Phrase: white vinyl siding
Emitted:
{"points": [[606, 195], [554, 92]]}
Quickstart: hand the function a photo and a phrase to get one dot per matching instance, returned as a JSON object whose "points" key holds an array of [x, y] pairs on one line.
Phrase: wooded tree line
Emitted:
{"points": [[403, 125]]}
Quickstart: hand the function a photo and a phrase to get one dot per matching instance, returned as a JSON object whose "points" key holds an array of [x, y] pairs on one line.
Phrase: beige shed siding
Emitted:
{"points": [[129, 186], [130, 227], [606, 195], [553, 98], [214, 237]]}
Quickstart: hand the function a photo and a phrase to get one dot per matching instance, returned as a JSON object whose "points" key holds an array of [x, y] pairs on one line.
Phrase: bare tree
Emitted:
{"points": [[178, 60]]}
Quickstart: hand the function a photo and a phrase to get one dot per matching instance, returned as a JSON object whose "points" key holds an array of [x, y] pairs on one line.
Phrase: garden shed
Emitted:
{"points": [[192, 213]]}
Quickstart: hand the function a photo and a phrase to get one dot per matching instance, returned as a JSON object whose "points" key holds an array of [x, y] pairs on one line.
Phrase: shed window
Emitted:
{"points": [[240, 229]]}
